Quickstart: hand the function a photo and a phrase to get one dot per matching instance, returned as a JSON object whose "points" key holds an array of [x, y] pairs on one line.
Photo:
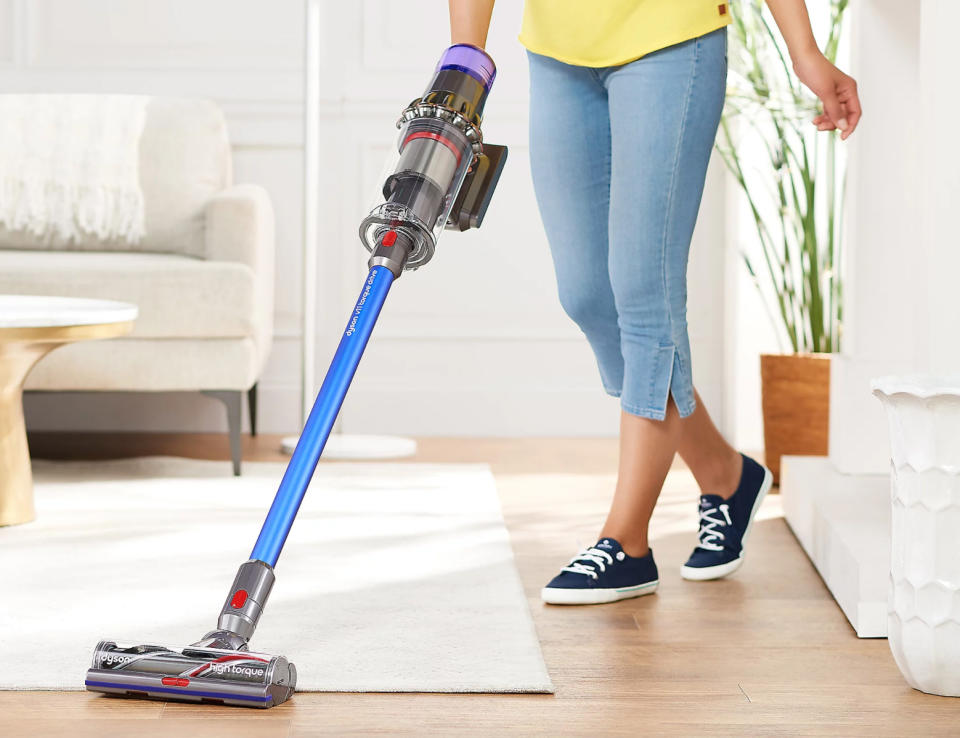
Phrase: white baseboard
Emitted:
{"points": [[843, 523]]}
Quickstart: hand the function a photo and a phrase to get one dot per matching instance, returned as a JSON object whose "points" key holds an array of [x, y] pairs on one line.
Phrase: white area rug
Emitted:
{"points": [[395, 577]]}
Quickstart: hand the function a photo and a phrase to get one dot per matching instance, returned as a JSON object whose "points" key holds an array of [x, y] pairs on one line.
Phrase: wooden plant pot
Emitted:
{"points": [[795, 391]]}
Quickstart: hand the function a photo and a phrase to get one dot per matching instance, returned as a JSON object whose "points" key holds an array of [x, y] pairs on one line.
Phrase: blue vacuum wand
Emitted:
{"points": [[442, 174], [320, 422]]}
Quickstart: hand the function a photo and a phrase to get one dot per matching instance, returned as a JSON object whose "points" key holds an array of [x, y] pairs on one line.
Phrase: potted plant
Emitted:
{"points": [[793, 187]]}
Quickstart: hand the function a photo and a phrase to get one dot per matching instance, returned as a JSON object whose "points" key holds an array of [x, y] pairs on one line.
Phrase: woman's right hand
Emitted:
{"points": [[836, 90]]}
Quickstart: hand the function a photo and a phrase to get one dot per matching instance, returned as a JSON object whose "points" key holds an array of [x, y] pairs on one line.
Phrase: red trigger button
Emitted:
{"points": [[239, 597], [390, 238]]}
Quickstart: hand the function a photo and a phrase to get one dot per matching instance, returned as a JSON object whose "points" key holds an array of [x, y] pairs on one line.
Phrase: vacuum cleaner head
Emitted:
{"points": [[193, 674]]}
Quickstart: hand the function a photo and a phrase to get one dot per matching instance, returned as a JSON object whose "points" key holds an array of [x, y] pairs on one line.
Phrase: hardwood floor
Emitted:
{"points": [[766, 652]]}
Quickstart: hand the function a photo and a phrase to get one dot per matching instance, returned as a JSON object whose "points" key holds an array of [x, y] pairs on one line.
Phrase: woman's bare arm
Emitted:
{"points": [[469, 21], [836, 90]]}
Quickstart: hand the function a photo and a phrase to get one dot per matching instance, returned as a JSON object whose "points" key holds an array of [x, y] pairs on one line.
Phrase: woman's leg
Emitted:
{"points": [[570, 160], [570, 164], [664, 113], [645, 457], [647, 448], [715, 464]]}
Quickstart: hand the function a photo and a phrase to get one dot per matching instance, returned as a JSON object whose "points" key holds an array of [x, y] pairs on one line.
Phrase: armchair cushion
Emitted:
{"points": [[178, 297], [239, 231], [149, 365]]}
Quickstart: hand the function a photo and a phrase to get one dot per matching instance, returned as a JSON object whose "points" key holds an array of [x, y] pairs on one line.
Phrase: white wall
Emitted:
{"points": [[748, 329], [463, 348], [901, 307]]}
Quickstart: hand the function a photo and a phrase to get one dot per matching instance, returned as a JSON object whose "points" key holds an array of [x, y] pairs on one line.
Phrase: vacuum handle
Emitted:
{"points": [[477, 189]]}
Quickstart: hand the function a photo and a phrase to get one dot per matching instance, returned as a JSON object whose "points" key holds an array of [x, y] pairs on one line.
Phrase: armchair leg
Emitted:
{"points": [[252, 406], [233, 399]]}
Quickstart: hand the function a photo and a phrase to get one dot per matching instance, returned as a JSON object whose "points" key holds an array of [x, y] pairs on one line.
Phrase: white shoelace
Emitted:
{"points": [[709, 535], [593, 555]]}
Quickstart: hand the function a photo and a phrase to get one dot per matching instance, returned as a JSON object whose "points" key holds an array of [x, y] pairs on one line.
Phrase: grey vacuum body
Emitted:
{"points": [[442, 175]]}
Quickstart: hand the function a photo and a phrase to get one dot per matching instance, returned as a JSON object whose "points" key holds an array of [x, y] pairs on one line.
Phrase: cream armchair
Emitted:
{"points": [[202, 277]]}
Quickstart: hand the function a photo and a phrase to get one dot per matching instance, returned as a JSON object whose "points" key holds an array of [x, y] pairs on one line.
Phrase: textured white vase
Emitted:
{"points": [[924, 598]]}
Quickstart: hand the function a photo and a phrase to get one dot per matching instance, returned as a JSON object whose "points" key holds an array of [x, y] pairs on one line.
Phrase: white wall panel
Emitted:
{"points": [[706, 302], [473, 344], [900, 304], [400, 37], [8, 20], [180, 34], [479, 387]]}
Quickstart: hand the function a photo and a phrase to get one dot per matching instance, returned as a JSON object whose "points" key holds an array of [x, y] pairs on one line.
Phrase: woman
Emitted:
{"points": [[625, 100]]}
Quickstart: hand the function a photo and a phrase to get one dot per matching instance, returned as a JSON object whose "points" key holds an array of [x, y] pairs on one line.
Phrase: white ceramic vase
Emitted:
{"points": [[924, 597]]}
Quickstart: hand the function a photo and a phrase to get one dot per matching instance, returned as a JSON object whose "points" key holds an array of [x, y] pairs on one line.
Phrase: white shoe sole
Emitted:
{"points": [[561, 596], [704, 573]]}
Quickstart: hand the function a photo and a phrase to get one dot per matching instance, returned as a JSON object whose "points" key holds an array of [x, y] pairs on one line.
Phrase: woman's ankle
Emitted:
{"points": [[633, 545], [727, 477]]}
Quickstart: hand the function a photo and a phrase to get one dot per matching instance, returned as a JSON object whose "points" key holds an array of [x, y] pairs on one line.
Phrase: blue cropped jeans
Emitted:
{"points": [[619, 156]]}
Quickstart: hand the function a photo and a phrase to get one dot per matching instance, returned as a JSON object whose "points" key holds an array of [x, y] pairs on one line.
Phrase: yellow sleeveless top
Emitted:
{"points": [[605, 33]]}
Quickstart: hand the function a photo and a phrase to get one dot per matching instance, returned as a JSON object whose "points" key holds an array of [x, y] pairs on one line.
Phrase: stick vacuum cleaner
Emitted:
{"points": [[442, 174]]}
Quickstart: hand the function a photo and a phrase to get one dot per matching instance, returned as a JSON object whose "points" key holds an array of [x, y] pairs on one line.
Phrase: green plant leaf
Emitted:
{"points": [[799, 225]]}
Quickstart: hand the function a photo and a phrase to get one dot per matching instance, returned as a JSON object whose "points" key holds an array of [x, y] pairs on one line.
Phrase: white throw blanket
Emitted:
{"points": [[69, 166]]}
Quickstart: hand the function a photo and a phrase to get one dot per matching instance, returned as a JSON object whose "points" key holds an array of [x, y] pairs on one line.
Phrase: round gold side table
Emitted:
{"points": [[31, 327]]}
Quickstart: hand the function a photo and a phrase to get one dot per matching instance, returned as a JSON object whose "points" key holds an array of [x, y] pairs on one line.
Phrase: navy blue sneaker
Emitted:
{"points": [[725, 525], [602, 573]]}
